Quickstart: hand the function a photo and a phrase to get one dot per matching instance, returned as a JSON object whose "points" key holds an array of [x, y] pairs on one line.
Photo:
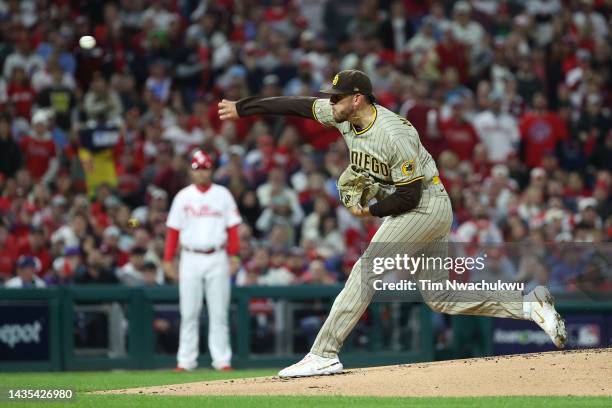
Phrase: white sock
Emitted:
{"points": [[526, 308]]}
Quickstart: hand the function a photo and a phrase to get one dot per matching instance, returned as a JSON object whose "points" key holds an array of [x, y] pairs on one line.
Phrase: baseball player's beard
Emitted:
{"points": [[340, 117]]}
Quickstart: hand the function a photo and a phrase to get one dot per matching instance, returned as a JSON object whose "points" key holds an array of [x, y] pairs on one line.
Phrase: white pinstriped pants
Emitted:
{"points": [[199, 273], [428, 223]]}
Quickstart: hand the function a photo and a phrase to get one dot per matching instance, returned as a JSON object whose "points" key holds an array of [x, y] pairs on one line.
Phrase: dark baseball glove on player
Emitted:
{"points": [[357, 186]]}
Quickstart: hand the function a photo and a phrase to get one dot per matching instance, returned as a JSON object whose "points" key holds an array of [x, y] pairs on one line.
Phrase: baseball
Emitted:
{"points": [[87, 42]]}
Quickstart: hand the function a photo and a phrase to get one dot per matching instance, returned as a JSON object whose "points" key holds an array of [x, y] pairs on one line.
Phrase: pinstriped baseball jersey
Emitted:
{"points": [[389, 148]]}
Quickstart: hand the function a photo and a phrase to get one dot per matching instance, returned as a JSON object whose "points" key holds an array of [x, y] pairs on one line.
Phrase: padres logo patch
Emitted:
{"points": [[335, 81], [408, 168]]}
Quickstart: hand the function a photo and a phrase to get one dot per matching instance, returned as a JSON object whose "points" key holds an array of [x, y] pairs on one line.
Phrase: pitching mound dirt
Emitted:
{"points": [[579, 373]]}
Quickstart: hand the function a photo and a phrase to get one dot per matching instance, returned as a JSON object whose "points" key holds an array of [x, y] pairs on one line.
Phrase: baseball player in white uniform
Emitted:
{"points": [[204, 219], [419, 211]]}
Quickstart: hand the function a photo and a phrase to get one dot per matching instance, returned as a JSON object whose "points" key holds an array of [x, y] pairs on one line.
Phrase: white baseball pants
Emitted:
{"points": [[199, 273]]}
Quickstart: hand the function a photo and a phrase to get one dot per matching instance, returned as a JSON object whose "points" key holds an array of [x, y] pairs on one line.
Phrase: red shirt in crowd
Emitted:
{"points": [[460, 137], [275, 14], [540, 133], [37, 153], [170, 180], [453, 54], [5, 204], [315, 134], [99, 215], [50, 225], [22, 98], [243, 125], [128, 179], [8, 256], [417, 115]]}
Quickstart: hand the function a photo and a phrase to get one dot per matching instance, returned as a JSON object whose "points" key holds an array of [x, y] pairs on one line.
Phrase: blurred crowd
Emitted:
{"points": [[512, 98]]}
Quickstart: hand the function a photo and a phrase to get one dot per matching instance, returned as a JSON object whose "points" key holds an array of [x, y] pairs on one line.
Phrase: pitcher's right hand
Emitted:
{"points": [[227, 110]]}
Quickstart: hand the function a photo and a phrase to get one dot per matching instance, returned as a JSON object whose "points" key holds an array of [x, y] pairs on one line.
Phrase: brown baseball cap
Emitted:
{"points": [[350, 81]]}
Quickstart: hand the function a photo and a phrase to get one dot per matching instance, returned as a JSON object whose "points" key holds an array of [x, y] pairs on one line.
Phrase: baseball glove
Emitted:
{"points": [[357, 186]]}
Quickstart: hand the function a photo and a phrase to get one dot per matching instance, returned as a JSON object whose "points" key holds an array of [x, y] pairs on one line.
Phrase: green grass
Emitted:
{"points": [[90, 381], [111, 380], [125, 401]]}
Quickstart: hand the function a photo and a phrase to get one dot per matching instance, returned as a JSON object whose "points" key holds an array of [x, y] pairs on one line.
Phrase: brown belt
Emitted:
{"points": [[203, 251]]}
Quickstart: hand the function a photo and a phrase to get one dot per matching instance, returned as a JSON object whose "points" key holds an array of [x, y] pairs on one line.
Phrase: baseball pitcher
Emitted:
{"points": [[417, 210], [204, 219]]}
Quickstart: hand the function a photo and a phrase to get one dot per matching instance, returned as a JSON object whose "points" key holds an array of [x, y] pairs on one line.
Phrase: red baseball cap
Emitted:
{"points": [[200, 160]]}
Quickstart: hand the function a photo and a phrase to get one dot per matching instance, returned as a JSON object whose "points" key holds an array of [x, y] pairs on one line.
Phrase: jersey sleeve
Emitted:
{"points": [[176, 216], [322, 112], [276, 105], [405, 164], [232, 214]]}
